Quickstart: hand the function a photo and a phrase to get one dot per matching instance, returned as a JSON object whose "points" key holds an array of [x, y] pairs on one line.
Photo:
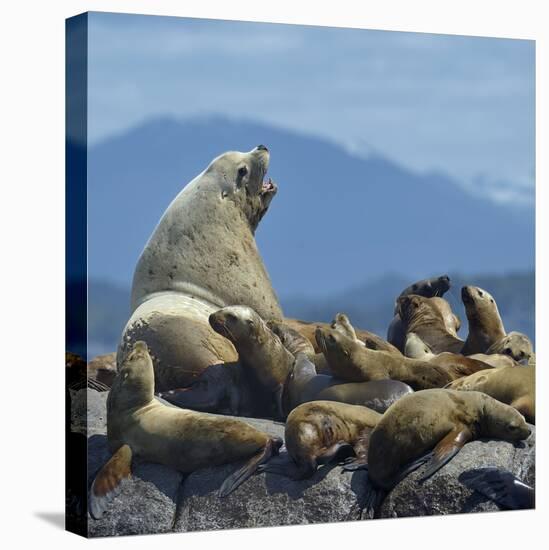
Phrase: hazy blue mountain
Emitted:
{"points": [[369, 305], [338, 220]]}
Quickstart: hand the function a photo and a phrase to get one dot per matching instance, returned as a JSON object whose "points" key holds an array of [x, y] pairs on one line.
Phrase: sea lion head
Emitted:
{"points": [[240, 324], [412, 306], [515, 345], [334, 343], [415, 347], [478, 302], [134, 384], [502, 421], [342, 324], [241, 177]]}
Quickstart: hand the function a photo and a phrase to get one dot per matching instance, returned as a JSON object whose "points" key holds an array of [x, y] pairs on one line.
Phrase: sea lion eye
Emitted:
{"points": [[242, 171]]}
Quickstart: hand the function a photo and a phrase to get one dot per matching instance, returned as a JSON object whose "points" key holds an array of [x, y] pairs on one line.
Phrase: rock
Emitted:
{"points": [[146, 502], [268, 500], [444, 494], [89, 411], [103, 368]]}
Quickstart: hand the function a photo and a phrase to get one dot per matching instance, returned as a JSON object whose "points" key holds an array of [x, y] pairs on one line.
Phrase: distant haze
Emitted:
{"points": [[463, 106]]}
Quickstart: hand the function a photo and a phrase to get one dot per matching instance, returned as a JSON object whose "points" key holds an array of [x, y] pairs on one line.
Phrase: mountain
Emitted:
{"points": [[337, 220], [369, 305]]}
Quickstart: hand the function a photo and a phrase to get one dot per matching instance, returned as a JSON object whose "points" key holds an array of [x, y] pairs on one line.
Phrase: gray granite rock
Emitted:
{"points": [[445, 494], [268, 499], [89, 411]]}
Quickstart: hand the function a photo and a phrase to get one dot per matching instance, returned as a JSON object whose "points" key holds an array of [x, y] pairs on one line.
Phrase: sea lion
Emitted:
{"points": [[416, 348], [515, 386], [500, 486], [201, 257], [424, 317], [351, 361], [319, 432], [485, 324], [438, 422], [515, 345], [428, 288], [222, 389], [304, 385], [138, 424], [261, 353], [291, 339]]}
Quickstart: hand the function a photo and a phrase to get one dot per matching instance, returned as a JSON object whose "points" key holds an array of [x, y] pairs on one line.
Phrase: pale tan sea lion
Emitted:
{"points": [[515, 386], [515, 345], [425, 318], [260, 351], [138, 424], [201, 257], [349, 360], [485, 324], [321, 431], [416, 348], [438, 420]]}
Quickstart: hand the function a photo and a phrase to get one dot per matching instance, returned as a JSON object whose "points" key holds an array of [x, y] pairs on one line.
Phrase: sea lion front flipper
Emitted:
{"points": [[502, 487], [278, 401], [360, 461], [448, 447], [283, 465], [242, 474], [106, 484]]}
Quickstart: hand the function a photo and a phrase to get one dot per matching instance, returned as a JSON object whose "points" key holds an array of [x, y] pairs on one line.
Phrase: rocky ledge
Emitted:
{"points": [[159, 499]]}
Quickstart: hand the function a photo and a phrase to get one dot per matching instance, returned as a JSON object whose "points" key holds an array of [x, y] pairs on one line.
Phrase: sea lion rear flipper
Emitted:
{"points": [[242, 474], [106, 484], [502, 487], [448, 447]]}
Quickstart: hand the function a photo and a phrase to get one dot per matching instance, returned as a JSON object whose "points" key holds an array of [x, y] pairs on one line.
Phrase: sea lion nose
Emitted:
{"points": [[262, 148]]}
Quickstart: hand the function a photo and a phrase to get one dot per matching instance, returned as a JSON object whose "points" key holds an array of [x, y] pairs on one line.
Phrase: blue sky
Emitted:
{"points": [[460, 105]]}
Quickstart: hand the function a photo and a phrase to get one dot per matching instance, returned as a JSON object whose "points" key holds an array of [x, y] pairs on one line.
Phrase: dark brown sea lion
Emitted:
{"points": [[438, 422], [292, 340], [349, 360], [515, 386], [425, 318], [485, 324], [260, 351], [321, 431], [138, 424]]}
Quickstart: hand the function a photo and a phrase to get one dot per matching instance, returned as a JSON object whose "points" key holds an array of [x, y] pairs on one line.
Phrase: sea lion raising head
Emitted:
{"points": [[485, 324], [515, 345]]}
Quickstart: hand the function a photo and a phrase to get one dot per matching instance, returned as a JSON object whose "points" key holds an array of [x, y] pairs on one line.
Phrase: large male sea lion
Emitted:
{"points": [[202, 256], [320, 431], [515, 386], [431, 427], [485, 324], [138, 424]]}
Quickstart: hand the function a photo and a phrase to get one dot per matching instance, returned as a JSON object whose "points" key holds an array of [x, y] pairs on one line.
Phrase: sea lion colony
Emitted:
{"points": [[214, 340]]}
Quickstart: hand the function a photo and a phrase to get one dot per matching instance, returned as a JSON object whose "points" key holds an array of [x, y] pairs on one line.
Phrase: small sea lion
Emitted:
{"points": [[515, 345], [500, 486], [485, 324], [321, 431], [424, 317], [222, 389], [351, 361], [305, 385], [438, 422], [292, 340], [416, 348], [515, 386], [138, 424], [261, 353], [428, 288]]}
